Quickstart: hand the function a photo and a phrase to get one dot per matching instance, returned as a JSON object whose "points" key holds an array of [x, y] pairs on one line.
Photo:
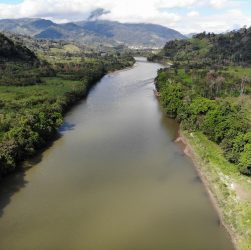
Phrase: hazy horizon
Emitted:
{"points": [[185, 16]]}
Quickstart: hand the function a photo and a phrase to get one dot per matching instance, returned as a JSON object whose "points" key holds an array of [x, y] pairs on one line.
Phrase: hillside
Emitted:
{"points": [[208, 48], [20, 66], [9, 51], [207, 89], [93, 32], [215, 69], [137, 34]]}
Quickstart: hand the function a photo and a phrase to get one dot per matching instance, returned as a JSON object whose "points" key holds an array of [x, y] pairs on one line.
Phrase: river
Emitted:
{"points": [[114, 180]]}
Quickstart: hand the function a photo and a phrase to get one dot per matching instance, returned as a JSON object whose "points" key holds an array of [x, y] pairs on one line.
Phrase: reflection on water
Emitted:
{"points": [[66, 127], [114, 180]]}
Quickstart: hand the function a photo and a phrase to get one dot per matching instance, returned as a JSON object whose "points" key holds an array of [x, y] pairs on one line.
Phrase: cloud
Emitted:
{"points": [[97, 13], [226, 13], [193, 14], [218, 22], [219, 3]]}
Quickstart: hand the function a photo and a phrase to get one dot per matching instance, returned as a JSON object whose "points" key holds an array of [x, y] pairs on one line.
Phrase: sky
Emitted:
{"points": [[186, 16]]}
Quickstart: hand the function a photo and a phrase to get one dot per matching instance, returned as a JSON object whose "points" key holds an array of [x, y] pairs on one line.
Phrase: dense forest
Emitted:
{"points": [[207, 88], [35, 93], [207, 49]]}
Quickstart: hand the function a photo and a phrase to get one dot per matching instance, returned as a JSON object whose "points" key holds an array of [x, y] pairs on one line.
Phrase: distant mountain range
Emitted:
{"points": [[93, 32], [190, 35]]}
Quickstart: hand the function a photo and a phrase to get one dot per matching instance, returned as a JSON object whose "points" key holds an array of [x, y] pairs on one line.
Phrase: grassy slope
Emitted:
{"points": [[231, 190], [23, 97]]}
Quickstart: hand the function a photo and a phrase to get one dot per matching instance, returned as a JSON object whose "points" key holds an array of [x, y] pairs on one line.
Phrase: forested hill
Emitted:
{"points": [[206, 48], [9, 51], [208, 89], [19, 65]]}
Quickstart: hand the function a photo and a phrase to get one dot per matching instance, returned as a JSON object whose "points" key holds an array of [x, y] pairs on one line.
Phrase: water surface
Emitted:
{"points": [[115, 180]]}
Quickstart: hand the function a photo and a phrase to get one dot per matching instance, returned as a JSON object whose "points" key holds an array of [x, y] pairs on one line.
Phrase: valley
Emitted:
{"points": [[124, 134]]}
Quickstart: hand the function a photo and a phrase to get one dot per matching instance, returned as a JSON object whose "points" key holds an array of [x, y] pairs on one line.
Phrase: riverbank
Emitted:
{"points": [[32, 114], [219, 143], [228, 190], [117, 153], [39, 122]]}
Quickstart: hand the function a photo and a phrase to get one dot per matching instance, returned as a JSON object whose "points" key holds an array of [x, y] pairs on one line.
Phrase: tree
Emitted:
{"points": [[245, 160], [243, 82]]}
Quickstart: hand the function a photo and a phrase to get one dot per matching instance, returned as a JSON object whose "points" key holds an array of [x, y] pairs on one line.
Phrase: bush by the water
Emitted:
{"points": [[204, 109]]}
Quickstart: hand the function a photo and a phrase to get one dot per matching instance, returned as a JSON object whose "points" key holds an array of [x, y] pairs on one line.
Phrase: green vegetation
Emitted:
{"points": [[10, 51], [208, 49], [34, 95], [207, 89], [231, 190], [19, 65], [200, 105], [210, 73]]}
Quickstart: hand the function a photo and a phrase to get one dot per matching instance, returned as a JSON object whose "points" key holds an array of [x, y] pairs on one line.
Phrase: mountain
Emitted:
{"points": [[50, 33], [190, 35], [25, 26], [132, 34], [9, 51], [93, 32]]}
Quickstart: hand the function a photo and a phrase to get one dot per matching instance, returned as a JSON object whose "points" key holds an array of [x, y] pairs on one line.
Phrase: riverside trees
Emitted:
{"points": [[34, 95], [208, 111]]}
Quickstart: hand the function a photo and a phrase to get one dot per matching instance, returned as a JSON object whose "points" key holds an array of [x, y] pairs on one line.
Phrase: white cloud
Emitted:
{"points": [[193, 14], [154, 11], [217, 23], [219, 3]]}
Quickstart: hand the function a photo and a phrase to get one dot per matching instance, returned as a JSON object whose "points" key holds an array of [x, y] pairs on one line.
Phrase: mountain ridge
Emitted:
{"points": [[93, 31]]}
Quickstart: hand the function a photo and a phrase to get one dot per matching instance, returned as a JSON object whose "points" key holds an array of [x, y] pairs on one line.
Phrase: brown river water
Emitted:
{"points": [[114, 180]]}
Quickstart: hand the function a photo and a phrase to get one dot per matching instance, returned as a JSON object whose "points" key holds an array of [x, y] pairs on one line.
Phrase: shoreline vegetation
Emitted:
{"points": [[217, 183], [207, 90], [230, 193], [191, 152], [36, 92]]}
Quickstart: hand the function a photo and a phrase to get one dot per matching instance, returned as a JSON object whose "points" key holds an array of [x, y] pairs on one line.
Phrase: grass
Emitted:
{"points": [[186, 78], [29, 96], [240, 71], [203, 46], [71, 48], [244, 102], [62, 59], [31, 112], [52, 86], [230, 189]]}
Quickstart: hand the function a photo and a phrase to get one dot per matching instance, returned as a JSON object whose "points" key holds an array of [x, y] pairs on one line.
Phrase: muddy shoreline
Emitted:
{"points": [[190, 152]]}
